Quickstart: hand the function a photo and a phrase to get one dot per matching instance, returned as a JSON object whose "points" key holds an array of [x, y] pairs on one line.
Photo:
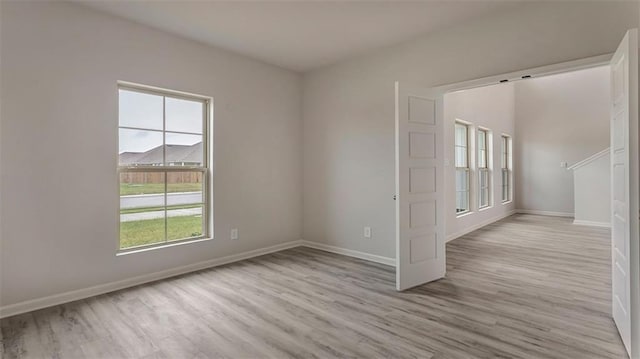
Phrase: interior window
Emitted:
{"points": [[462, 168]]}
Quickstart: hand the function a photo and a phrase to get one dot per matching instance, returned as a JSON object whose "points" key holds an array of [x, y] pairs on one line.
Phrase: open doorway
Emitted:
{"points": [[526, 147], [530, 166], [420, 149]]}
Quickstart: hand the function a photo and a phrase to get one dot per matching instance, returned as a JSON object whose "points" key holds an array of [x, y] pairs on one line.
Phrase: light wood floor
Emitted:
{"points": [[524, 287]]}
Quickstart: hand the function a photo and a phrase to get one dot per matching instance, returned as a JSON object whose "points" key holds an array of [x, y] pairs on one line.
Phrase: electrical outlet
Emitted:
{"points": [[234, 233], [367, 232]]}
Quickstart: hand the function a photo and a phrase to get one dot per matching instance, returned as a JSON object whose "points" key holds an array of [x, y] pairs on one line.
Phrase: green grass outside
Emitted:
{"points": [[151, 209], [150, 231], [127, 189]]}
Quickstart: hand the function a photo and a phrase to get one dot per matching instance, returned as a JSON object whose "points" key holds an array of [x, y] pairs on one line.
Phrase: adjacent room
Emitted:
{"points": [[535, 145], [271, 179]]}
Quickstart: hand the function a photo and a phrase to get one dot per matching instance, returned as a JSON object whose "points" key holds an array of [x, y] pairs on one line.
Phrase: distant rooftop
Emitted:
{"points": [[175, 154]]}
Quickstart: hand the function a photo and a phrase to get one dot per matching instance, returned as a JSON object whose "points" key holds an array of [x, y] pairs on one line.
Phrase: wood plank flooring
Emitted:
{"points": [[525, 287]]}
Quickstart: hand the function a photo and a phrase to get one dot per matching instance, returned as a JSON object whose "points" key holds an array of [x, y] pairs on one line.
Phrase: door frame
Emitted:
{"points": [[519, 75], [553, 69], [559, 68]]}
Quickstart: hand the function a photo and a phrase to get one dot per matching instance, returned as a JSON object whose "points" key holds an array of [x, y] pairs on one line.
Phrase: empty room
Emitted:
{"points": [[289, 179]]}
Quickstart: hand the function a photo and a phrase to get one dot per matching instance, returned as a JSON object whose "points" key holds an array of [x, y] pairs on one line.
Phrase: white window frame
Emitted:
{"points": [[505, 159], [467, 169], [486, 169], [205, 168]]}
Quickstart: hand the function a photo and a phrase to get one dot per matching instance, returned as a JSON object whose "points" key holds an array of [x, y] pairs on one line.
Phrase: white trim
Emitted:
{"points": [[545, 213], [479, 225], [580, 222], [60, 298], [151, 247], [568, 66], [160, 91], [350, 252], [590, 159]]}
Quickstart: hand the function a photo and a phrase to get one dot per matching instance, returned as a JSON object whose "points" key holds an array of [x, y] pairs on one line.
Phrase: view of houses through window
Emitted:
{"points": [[162, 167]]}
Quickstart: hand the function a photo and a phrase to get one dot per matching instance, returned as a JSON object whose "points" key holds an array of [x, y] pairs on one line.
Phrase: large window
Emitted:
{"points": [[462, 168], [505, 160], [162, 166], [484, 173]]}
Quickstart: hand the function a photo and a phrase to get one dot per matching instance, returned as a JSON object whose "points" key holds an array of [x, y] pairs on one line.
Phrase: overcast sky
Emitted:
{"points": [[145, 111]]}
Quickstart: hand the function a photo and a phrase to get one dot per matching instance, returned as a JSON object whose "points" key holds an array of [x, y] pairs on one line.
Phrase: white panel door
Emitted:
{"points": [[420, 242], [624, 184]]}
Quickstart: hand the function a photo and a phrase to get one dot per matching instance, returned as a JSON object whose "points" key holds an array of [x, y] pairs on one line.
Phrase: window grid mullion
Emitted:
{"points": [[164, 162], [161, 169], [205, 174]]}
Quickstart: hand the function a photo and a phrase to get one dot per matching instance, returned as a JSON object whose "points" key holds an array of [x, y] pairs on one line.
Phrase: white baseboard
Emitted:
{"points": [[56, 299], [350, 253], [479, 225], [61, 298], [591, 223], [545, 213]]}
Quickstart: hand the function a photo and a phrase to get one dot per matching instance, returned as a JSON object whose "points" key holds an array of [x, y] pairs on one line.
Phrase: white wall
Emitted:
{"points": [[349, 115], [592, 188], [562, 118], [60, 64], [491, 108]]}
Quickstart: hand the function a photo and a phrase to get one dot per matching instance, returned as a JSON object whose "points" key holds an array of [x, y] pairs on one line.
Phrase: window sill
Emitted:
{"points": [[507, 202], [464, 214], [151, 247], [484, 208]]}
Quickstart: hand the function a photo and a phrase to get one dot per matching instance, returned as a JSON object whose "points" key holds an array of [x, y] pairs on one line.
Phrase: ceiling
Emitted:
{"points": [[299, 35]]}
